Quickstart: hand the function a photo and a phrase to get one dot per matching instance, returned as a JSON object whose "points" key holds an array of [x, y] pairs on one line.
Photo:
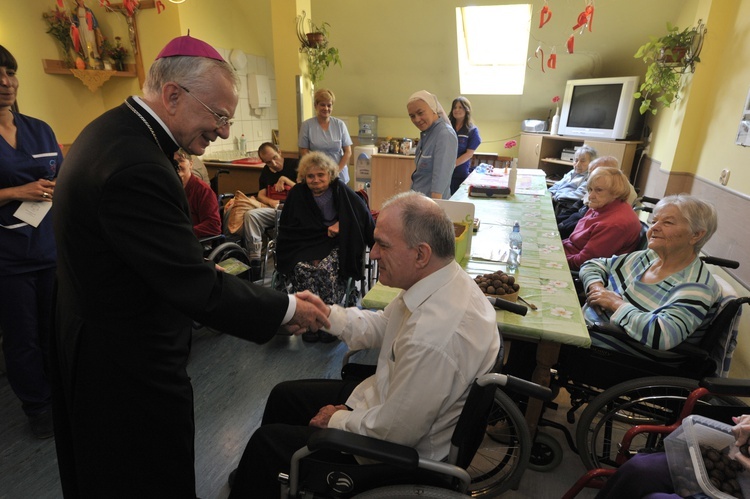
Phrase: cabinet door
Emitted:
{"points": [[528, 150], [390, 175]]}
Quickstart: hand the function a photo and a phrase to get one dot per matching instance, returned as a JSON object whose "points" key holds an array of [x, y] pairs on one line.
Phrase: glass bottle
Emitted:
{"points": [[516, 248]]}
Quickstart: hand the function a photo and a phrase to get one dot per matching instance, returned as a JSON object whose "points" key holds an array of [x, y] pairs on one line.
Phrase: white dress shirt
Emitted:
{"points": [[434, 340]]}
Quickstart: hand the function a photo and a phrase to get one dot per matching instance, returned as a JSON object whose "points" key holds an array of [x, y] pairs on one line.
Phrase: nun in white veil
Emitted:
{"points": [[437, 148]]}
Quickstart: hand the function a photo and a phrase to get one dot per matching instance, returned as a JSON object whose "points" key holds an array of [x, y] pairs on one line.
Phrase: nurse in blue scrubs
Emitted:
{"points": [[30, 159], [326, 134], [468, 139]]}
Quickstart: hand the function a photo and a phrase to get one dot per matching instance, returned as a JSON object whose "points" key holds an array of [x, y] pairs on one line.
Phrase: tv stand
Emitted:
{"points": [[543, 151]]}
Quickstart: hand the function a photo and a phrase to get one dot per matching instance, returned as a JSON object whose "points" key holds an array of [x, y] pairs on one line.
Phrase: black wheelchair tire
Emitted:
{"points": [[409, 492], [610, 414], [546, 453], [499, 467]]}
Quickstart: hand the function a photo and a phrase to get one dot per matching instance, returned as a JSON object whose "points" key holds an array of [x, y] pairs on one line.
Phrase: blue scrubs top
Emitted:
{"points": [[435, 159], [24, 248], [331, 141]]}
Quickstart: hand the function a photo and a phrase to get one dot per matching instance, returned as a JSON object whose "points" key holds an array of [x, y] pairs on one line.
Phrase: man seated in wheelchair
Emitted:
{"points": [[435, 338], [660, 297], [204, 207], [324, 230]]}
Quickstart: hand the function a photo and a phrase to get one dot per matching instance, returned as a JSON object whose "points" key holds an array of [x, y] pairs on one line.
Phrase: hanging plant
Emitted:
{"points": [[668, 57], [316, 47]]}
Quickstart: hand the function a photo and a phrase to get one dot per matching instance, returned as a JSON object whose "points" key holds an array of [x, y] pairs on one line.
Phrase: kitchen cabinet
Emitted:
{"points": [[390, 174], [544, 151]]}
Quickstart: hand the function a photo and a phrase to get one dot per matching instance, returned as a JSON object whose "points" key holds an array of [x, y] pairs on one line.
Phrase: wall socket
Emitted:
{"points": [[724, 177]]}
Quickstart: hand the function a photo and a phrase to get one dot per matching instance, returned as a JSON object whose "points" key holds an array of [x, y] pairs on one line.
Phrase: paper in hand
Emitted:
{"points": [[32, 212]]}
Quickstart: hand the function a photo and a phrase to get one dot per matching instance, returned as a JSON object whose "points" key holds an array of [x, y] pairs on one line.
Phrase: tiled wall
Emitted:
{"points": [[256, 127]]}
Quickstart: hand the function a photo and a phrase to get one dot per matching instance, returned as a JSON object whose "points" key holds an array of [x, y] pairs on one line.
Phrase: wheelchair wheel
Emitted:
{"points": [[546, 453], [501, 458], [228, 250], [409, 492], [654, 400]]}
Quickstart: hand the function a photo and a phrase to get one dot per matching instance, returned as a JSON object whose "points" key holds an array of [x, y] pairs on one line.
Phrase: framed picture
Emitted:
{"points": [[743, 132]]}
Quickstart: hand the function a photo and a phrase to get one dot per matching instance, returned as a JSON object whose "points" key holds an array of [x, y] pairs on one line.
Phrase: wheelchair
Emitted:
{"points": [[620, 391], [476, 465], [647, 404]]}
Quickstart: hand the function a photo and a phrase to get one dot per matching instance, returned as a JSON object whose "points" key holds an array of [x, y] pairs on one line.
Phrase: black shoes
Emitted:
{"points": [[41, 425], [323, 337]]}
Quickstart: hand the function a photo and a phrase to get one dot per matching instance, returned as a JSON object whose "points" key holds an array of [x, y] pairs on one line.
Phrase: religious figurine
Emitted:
{"points": [[87, 37]]}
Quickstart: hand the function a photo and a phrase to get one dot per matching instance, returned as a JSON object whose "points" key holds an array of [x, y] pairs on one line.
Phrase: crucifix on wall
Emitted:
{"points": [[129, 9]]}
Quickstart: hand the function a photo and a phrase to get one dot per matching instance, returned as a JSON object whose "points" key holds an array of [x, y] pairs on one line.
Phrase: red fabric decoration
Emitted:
{"points": [[105, 3], [536, 54], [545, 15], [587, 16], [552, 61], [159, 7], [571, 42], [60, 4], [75, 35]]}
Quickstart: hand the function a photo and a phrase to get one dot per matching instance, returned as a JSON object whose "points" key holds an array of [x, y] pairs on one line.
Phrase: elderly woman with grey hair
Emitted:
{"points": [[437, 148], [324, 229], [660, 296], [566, 191], [610, 226]]}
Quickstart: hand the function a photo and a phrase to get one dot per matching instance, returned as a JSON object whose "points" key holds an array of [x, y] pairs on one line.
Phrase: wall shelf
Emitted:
{"points": [[92, 78]]}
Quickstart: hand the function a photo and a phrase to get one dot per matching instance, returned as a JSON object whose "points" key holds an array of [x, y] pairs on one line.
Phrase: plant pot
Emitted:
{"points": [[119, 66], [676, 57], [315, 40]]}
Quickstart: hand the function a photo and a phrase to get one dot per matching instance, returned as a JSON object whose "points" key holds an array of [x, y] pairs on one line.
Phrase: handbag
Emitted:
{"points": [[278, 196], [241, 204]]}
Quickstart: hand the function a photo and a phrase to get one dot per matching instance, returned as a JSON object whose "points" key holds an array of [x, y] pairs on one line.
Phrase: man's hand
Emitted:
{"points": [[323, 416], [311, 314]]}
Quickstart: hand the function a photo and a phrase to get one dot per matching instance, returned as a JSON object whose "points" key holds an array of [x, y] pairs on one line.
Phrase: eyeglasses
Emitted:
{"points": [[221, 121]]}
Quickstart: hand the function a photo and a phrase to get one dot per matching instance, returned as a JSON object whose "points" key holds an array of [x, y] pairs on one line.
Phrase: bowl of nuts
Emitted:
{"points": [[498, 284]]}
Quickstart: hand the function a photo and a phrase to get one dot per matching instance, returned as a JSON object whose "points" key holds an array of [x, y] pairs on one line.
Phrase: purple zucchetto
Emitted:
{"points": [[189, 47]]}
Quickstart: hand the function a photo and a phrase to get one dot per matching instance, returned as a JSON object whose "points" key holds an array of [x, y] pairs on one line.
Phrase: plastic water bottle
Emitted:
{"points": [[516, 248], [243, 144]]}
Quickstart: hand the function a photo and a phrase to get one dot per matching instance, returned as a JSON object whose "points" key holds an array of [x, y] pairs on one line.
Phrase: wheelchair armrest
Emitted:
{"points": [[727, 386], [363, 446]]}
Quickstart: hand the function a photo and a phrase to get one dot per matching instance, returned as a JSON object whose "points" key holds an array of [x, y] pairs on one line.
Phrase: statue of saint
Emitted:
{"points": [[90, 37]]}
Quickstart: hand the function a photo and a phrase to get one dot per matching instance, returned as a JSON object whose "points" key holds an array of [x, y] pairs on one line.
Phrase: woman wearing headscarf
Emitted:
{"points": [[437, 149]]}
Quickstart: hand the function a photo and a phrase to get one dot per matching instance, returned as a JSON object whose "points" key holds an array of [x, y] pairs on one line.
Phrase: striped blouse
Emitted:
{"points": [[659, 315]]}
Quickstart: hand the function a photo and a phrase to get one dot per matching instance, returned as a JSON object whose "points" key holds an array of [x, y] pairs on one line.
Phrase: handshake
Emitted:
{"points": [[311, 314]]}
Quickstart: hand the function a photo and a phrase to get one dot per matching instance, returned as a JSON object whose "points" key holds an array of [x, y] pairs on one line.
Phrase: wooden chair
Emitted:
{"points": [[489, 158]]}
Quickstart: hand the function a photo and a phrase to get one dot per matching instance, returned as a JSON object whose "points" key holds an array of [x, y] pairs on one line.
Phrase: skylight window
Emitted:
{"points": [[493, 44]]}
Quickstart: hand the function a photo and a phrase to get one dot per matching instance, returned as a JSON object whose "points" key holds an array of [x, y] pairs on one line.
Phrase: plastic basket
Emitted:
{"points": [[686, 466]]}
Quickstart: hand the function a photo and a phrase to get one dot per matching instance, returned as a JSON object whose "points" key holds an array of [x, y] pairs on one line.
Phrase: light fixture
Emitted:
{"points": [[177, 1]]}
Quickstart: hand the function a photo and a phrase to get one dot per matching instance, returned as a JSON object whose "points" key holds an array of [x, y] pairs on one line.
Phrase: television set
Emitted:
{"points": [[602, 108]]}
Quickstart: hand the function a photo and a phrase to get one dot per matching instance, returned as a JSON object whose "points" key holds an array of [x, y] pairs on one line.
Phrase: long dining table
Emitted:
{"points": [[543, 275]]}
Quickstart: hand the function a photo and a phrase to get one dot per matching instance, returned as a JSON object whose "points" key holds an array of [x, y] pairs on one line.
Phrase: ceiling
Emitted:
{"points": [[392, 48]]}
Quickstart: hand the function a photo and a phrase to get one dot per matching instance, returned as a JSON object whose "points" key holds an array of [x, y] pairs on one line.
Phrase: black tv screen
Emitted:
{"points": [[594, 106]]}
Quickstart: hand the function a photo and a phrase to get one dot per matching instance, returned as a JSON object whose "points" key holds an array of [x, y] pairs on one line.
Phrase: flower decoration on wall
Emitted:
{"points": [[116, 53], [59, 25], [510, 144]]}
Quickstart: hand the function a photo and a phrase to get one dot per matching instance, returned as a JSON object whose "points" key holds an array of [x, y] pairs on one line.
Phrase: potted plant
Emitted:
{"points": [[668, 57], [315, 45]]}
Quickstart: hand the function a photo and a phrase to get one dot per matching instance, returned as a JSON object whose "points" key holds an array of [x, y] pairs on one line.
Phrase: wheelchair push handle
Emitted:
{"points": [[518, 385], [509, 306]]}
